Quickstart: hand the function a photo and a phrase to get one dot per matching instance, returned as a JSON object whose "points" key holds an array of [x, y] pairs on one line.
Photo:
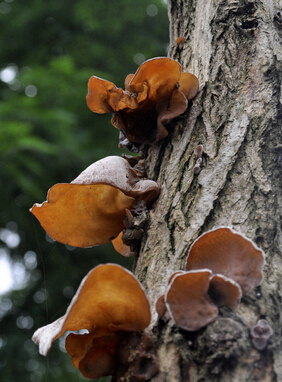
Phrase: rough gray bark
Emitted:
{"points": [[234, 48]]}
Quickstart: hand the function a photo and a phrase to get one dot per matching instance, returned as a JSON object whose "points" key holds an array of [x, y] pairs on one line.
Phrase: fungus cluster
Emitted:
{"points": [[261, 333], [153, 96], [127, 241], [110, 304], [107, 202], [90, 210], [222, 266]]}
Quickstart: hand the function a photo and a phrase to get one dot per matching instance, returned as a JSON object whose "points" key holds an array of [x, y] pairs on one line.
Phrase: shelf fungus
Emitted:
{"points": [[222, 266], [110, 304], [228, 253], [157, 93], [188, 302], [90, 210], [193, 297]]}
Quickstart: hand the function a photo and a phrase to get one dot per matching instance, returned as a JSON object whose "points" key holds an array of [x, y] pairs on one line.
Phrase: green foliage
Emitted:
{"points": [[48, 135]]}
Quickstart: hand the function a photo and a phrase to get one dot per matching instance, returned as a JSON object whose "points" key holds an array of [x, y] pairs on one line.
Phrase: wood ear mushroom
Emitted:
{"points": [[90, 210], [157, 93]]}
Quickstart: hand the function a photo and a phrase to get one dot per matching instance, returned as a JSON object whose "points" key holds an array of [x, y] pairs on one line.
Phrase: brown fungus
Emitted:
{"points": [[199, 150], [189, 85], [96, 358], [161, 309], [261, 333], [109, 303], [153, 96], [161, 306], [221, 267], [192, 297], [127, 242], [180, 42], [90, 210], [122, 248], [228, 253], [188, 302], [224, 291]]}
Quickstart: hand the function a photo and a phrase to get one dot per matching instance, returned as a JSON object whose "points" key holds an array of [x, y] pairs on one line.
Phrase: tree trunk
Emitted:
{"points": [[234, 48]]}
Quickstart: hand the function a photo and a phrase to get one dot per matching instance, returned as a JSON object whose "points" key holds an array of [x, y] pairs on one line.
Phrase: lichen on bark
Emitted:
{"points": [[235, 49]]}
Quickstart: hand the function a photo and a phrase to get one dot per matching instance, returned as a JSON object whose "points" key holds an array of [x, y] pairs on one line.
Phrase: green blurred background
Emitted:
{"points": [[48, 51]]}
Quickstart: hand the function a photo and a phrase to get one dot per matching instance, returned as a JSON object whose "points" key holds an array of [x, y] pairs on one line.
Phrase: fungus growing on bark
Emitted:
{"points": [[261, 333], [122, 248], [188, 302], [180, 42], [198, 289], [109, 303], [222, 266], [128, 241], [161, 306], [224, 291], [228, 253], [199, 150], [189, 85], [94, 358], [90, 210], [153, 96]]}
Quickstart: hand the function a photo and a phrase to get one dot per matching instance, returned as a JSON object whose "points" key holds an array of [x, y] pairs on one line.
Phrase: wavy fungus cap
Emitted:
{"points": [[224, 291], [153, 96], [120, 247], [192, 298], [188, 302], [109, 299], [93, 357], [228, 253], [90, 210]]}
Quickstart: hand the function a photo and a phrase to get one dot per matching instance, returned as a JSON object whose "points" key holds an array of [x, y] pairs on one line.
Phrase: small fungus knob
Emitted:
{"points": [[261, 333]]}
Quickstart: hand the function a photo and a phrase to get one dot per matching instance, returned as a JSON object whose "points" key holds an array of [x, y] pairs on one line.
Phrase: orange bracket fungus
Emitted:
{"points": [[90, 210], [153, 96], [110, 303], [228, 253]]}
